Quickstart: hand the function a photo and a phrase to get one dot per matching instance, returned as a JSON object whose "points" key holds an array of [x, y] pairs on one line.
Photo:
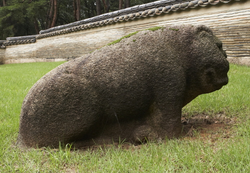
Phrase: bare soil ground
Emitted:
{"points": [[198, 127], [207, 128]]}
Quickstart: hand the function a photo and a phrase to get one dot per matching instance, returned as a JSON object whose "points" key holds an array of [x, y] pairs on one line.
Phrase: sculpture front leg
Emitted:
{"points": [[166, 119]]}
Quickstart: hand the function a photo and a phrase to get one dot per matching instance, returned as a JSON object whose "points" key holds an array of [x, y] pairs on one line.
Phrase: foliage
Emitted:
{"points": [[18, 17], [177, 155], [28, 17]]}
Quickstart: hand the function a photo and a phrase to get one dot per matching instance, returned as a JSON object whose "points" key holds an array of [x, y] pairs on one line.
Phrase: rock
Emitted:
{"points": [[129, 91]]}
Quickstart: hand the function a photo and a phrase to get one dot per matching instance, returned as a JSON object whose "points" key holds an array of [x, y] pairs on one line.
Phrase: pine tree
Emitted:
{"points": [[27, 17]]}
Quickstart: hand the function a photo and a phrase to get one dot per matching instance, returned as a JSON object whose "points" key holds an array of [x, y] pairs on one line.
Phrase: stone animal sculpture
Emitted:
{"points": [[132, 90]]}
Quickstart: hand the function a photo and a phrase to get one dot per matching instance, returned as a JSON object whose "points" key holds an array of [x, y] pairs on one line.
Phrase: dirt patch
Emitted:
{"points": [[198, 127], [207, 128]]}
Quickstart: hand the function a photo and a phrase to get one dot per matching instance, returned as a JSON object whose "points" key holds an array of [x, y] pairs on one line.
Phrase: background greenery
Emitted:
{"points": [[28, 17], [229, 154]]}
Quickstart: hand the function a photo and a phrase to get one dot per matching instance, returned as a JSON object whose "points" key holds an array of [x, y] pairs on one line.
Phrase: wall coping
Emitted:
{"points": [[138, 12], [126, 11]]}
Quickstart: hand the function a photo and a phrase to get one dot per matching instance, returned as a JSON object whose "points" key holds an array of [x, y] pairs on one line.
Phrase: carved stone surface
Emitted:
{"points": [[132, 90]]}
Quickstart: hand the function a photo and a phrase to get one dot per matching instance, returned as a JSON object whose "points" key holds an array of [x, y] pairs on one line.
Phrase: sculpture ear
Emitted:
{"points": [[203, 29]]}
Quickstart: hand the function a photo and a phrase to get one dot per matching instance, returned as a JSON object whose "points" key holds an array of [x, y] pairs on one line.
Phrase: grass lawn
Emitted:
{"points": [[226, 153]]}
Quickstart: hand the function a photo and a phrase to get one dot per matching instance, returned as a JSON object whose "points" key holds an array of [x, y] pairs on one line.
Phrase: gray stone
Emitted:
{"points": [[132, 90], [27, 37]]}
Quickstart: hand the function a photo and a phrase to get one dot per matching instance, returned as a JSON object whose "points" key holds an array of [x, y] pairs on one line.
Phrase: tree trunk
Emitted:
{"points": [[78, 10], [74, 7], [4, 3], [98, 7], [54, 13], [108, 6], [105, 6], [36, 26], [120, 4], [76, 4], [50, 14], [127, 3], [87, 7]]}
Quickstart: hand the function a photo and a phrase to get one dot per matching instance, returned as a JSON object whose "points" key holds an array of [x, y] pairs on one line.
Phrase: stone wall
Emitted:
{"points": [[63, 47], [2, 54], [230, 22]]}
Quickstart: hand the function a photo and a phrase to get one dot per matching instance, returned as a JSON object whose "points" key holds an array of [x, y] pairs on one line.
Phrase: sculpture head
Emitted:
{"points": [[207, 63]]}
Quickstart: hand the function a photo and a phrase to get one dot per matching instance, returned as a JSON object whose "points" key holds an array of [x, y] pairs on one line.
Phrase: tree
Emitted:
{"points": [[98, 7], [120, 4], [76, 5], [107, 6], [13, 20], [52, 14], [35, 11], [27, 17], [127, 3], [4, 2], [124, 3]]}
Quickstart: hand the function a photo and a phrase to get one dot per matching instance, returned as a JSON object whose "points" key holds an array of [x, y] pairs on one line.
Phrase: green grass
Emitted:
{"points": [[178, 155]]}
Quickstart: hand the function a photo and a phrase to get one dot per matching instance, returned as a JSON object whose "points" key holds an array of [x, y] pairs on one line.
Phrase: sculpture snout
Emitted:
{"points": [[222, 82], [217, 78]]}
